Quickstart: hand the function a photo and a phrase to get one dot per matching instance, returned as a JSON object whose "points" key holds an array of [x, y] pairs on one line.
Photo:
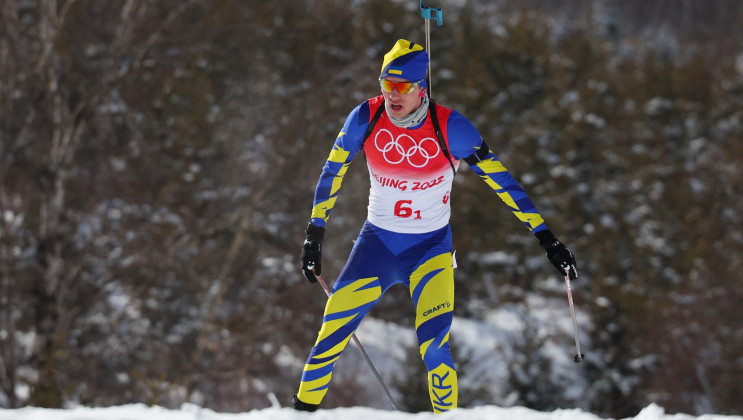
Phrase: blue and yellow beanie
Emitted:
{"points": [[407, 60]]}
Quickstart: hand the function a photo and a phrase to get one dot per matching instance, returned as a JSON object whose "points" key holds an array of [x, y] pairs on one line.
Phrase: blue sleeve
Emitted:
{"points": [[347, 145], [464, 139]]}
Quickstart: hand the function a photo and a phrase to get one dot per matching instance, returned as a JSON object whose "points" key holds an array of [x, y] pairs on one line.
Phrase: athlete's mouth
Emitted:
{"points": [[396, 107]]}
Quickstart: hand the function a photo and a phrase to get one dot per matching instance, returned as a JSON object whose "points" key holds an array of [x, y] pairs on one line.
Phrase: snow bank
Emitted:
{"points": [[193, 412]]}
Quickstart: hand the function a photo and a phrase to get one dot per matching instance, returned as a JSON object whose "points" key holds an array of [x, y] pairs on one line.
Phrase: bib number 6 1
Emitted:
{"points": [[404, 209]]}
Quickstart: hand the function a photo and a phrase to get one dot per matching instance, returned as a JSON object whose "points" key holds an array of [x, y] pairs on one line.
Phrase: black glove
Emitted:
{"points": [[312, 252], [558, 254]]}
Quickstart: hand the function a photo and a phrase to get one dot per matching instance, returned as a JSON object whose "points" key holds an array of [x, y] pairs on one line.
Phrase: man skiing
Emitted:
{"points": [[413, 151]]}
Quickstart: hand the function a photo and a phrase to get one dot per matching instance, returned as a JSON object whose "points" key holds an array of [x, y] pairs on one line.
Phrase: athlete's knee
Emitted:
{"points": [[434, 356]]}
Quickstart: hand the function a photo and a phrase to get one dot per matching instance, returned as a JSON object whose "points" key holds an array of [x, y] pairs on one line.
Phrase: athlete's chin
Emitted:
{"points": [[398, 113]]}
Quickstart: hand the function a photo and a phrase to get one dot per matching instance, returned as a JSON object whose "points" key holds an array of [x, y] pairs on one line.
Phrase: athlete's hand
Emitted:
{"points": [[558, 254], [312, 252]]}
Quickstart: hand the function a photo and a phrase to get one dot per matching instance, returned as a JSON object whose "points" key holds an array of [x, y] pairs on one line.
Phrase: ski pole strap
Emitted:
{"points": [[479, 155], [439, 136]]}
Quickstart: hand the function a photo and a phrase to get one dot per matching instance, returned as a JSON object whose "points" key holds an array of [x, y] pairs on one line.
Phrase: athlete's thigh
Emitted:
{"points": [[432, 290]]}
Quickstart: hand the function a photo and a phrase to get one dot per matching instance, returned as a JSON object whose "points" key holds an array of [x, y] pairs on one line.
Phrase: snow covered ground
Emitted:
{"points": [[192, 412]]}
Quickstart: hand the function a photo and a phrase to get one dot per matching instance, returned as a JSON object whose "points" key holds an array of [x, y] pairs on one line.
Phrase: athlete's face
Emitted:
{"points": [[401, 105]]}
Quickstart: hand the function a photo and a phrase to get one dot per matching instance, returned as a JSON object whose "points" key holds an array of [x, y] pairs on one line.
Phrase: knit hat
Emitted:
{"points": [[407, 60]]}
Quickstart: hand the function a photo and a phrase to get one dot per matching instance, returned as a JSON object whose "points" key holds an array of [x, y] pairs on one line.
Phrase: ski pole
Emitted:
{"points": [[363, 352], [578, 356], [429, 13]]}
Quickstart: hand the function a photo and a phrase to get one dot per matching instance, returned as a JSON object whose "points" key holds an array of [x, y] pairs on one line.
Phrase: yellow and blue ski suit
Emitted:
{"points": [[406, 238]]}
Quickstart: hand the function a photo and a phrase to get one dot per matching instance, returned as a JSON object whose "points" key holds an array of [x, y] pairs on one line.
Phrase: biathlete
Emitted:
{"points": [[413, 148]]}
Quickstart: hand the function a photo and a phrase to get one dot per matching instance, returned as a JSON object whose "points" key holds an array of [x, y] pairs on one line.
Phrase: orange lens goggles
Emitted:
{"points": [[402, 87]]}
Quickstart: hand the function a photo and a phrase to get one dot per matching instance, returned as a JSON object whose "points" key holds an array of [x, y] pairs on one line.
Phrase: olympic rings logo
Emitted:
{"points": [[405, 148]]}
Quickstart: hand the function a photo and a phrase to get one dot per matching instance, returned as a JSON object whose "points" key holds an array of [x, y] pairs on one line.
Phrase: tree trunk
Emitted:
{"points": [[46, 291]]}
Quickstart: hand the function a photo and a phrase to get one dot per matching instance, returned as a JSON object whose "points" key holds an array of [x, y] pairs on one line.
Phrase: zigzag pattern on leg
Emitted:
{"points": [[344, 312]]}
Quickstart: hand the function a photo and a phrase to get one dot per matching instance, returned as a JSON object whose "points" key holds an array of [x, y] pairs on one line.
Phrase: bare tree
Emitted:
{"points": [[48, 114]]}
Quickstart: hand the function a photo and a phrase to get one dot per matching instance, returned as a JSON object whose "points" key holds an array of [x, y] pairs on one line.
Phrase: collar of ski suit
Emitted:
{"points": [[413, 119]]}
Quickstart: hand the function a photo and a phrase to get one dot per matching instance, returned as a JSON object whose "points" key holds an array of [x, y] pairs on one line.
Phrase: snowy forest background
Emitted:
{"points": [[158, 160]]}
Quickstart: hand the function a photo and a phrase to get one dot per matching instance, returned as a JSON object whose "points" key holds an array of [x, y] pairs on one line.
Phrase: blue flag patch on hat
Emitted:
{"points": [[406, 60]]}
